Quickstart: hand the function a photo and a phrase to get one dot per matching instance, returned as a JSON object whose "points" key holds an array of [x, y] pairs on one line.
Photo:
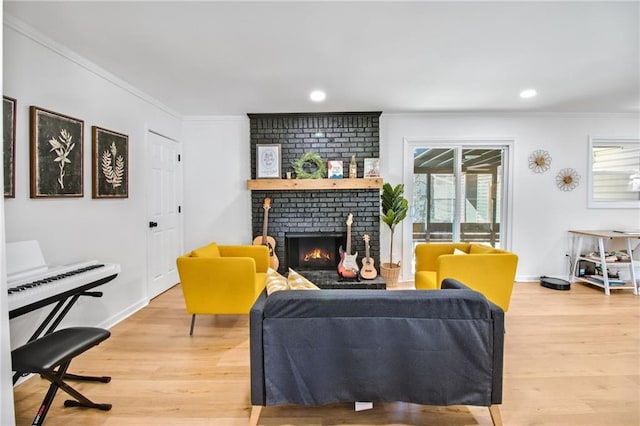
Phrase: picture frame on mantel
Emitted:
{"points": [[371, 167], [9, 145], [268, 161], [110, 164], [56, 157]]}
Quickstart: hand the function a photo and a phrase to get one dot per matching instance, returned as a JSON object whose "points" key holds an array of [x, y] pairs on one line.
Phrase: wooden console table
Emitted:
{"points": [[605, 283]]}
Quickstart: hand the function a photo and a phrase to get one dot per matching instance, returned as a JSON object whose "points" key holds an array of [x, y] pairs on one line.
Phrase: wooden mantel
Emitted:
{"points": [[310, 184]]}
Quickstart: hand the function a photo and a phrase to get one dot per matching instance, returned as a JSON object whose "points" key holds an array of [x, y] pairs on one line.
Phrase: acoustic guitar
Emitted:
{"points": [[368, 271], [266, 240], [348, 267]]}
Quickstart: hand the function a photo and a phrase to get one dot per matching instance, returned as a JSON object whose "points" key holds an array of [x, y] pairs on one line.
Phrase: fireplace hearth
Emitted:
{"points": [[311, 251]]}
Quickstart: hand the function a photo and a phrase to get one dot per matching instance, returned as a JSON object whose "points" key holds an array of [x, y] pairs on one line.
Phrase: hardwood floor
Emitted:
{"points": [[571, 358]]}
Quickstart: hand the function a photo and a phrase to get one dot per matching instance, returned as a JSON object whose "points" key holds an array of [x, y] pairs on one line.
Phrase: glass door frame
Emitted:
{"points": [[409, 145]]}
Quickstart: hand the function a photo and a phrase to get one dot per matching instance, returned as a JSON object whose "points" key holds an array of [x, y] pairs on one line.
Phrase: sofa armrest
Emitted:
{"points": [[259, 253], [451, 283], [256, 351], [497, 316]]}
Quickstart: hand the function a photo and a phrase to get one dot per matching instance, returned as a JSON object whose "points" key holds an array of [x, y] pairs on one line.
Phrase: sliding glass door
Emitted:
{"points": [[457, 191]]}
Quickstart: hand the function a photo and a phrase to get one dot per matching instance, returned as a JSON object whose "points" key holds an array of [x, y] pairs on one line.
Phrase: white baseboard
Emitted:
{"points": [[124, 314]]}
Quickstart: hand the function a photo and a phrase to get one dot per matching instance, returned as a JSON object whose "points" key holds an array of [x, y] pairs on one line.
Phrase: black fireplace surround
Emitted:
{"points": [[313, 250], [333, 136]]}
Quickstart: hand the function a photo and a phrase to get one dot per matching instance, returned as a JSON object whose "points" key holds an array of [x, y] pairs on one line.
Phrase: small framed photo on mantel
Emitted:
{"points": [[268, 161], [335, 169], [110, 163], [56, 154], [371, 167]]}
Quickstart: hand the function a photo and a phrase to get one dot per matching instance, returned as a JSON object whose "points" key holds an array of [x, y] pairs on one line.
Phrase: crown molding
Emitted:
{"points": [[206, 118], [36, 36], [524, 114]]}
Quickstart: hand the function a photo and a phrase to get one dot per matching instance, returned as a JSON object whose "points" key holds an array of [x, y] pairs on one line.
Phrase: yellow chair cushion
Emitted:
{"points": [[275, 282], [298, 282], [210, 251]]}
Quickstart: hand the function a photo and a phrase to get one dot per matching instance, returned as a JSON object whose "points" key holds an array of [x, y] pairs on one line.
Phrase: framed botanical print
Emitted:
{"points": [[9, 145], [56, 154], [268, 161], [110, 163]]}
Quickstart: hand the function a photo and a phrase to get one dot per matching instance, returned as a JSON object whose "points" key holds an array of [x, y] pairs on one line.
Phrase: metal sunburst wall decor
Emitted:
{"points": [[567, 179], [539, 161]]}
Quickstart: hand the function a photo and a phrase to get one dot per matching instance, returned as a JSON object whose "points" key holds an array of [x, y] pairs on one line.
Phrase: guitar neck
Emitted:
{"points": [[264, 226], [349, 239]]}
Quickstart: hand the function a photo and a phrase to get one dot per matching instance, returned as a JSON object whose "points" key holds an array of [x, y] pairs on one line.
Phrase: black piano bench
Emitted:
{"points": [[57, 349]]}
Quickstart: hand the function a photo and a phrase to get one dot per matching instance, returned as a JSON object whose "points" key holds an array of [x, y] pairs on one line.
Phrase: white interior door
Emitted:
{"points": [[165, 227]]}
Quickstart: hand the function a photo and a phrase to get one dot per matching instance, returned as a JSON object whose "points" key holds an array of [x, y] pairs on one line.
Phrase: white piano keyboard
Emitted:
{"points": [[53, 283]]}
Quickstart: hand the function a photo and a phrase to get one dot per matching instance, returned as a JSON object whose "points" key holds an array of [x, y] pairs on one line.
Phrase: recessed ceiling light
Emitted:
{"points": [[529, 93], [317, 96]]}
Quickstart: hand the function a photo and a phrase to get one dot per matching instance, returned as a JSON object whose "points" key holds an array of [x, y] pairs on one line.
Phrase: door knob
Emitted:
{"points": [[153, 224]]}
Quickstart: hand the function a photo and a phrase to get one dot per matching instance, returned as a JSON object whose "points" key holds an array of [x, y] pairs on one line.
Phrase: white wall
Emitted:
{"points": [[38, 72], [217, 165], [542, 214], [216, 168]]}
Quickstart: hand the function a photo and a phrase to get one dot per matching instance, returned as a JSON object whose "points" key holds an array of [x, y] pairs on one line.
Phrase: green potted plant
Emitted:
{"points": [[394, 208]]}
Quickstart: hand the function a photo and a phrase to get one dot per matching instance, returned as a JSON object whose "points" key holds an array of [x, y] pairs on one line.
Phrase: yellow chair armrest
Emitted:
{"points": [[259, 253], [492, 274], [427, 254]]}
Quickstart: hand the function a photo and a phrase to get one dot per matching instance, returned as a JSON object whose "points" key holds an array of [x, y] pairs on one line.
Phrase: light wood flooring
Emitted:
{"points": [[571, 358]]}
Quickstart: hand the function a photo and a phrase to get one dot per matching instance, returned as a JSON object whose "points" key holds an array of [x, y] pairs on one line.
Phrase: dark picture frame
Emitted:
{"points": [[110, 163], [268, 161], [56, 159], [9, 145]]}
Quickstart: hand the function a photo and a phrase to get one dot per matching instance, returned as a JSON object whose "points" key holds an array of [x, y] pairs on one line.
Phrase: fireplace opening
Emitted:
{"points": [[313, 251]]}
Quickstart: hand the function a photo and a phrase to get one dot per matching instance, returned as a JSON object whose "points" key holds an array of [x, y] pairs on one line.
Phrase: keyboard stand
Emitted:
{"points": [[55, 317]]}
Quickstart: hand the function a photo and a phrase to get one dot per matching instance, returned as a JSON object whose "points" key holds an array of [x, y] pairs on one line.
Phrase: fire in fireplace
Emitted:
{"points": [[313, 251]]}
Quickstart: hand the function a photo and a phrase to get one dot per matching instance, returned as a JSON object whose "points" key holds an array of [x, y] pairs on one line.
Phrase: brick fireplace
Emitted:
{"points": [[334, 136]]}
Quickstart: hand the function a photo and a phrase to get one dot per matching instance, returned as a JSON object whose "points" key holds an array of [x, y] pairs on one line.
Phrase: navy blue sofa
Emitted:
{"points": [[431, 347]]}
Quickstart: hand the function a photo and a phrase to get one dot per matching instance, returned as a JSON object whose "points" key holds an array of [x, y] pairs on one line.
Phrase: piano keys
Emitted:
{"points": [[32, 284], [57, 284]]}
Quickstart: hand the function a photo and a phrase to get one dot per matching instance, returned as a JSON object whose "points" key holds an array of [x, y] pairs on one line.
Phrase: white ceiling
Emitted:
{"points": [[226, 58]]}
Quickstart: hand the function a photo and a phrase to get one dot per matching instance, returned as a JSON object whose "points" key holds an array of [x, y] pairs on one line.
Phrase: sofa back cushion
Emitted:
{"points": [[210, 250], [444, 304]]}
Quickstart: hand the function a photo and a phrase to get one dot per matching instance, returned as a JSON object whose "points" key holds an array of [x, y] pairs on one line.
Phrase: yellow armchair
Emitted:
{"points": [[222, 279], [485, 269]]}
